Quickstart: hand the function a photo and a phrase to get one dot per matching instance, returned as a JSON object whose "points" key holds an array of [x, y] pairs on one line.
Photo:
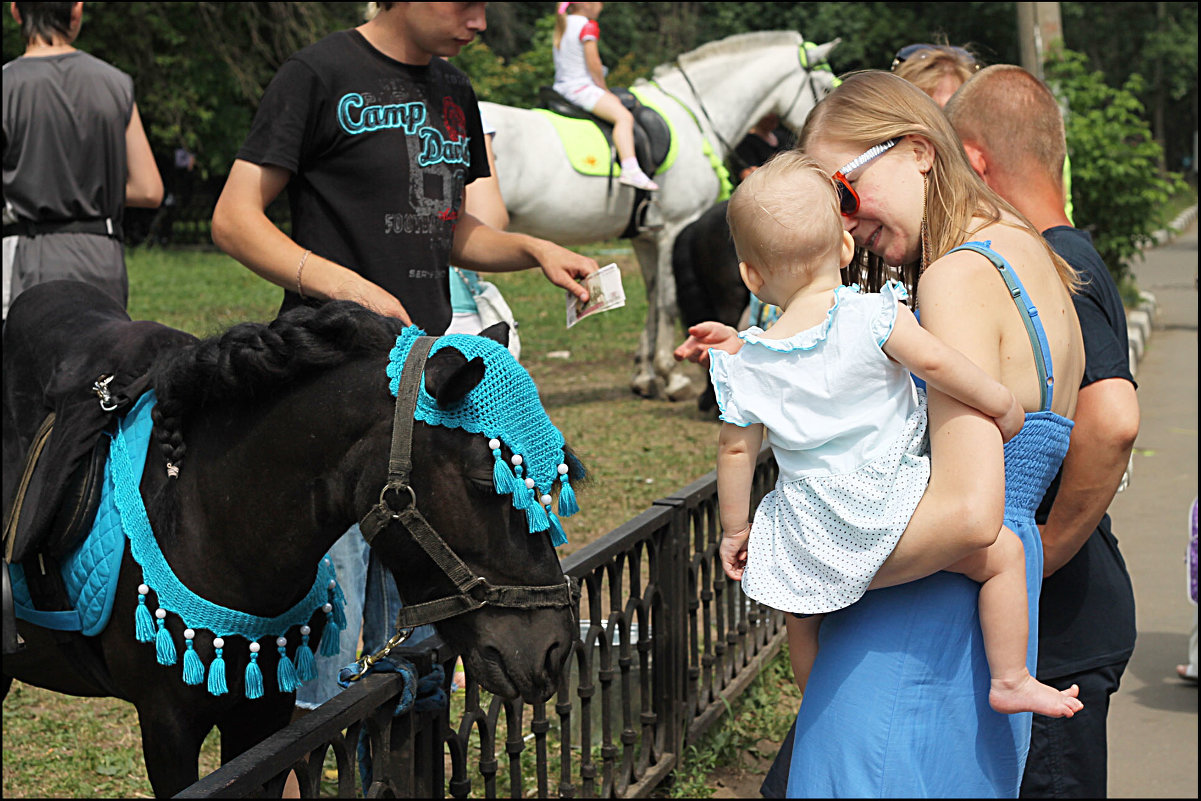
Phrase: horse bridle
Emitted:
{"points": [[472, 591], [802, 57]]}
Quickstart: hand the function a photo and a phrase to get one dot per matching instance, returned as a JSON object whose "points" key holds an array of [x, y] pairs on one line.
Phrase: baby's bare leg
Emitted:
{"points": [[1004, 621], [802, 645]]}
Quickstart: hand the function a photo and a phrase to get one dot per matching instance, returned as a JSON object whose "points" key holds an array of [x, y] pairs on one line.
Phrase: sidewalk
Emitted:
{"points": [[1153, 717]]}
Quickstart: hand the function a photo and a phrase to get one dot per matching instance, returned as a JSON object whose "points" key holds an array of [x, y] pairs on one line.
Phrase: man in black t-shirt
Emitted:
{"points": [[1012, 131], [375, 138]]}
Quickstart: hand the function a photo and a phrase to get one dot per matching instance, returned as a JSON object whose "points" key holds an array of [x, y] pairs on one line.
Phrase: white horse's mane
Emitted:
{"points": [[731, 45]]}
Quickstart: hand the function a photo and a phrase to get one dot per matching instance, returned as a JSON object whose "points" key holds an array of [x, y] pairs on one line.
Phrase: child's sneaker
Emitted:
{"points": [[637, 179]]}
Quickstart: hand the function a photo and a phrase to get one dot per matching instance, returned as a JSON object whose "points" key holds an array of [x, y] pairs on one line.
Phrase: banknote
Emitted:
{"points": [[604, 292]]}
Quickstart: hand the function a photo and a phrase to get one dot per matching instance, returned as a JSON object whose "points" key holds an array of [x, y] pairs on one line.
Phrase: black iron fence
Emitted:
{"points": [[666, 642]]}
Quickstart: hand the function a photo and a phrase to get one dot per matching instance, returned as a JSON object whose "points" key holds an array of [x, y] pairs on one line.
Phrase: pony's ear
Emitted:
{"points": [[497, 332], [822, 52], [449, 376]]}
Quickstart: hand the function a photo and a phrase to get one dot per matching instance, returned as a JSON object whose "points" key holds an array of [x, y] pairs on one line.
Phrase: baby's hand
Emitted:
{"points": [[733, 552], [1011, 422]]}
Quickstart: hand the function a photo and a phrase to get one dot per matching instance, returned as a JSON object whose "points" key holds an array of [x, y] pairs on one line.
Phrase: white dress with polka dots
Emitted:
{"points": [[847, 427]]}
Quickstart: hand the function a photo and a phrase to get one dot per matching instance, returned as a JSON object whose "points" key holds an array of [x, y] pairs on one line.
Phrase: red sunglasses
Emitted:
{"points": [[848, 198]]}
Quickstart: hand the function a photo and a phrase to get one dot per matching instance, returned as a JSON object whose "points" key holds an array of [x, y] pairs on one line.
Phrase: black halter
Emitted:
{"points": [[473, 591]]}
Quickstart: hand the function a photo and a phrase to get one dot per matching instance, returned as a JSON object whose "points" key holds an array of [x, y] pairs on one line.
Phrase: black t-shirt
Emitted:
{"points": [[380, 152], [1086, 611]]}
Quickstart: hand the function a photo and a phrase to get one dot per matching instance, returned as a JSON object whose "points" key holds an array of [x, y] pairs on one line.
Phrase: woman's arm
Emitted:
{"points": [[143, 184], [737, 449], [963, 507], [951, 373], [241, 229]]}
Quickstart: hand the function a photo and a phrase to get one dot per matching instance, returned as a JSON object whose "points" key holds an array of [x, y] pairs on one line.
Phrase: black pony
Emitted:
{"points": [[281, 434], [708, 286]]}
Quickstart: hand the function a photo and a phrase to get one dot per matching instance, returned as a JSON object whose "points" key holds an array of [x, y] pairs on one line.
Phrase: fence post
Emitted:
{"points": [[671, 646]]}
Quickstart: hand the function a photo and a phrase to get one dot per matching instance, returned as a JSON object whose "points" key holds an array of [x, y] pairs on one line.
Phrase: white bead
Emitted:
{"points": [[218, 642], [516, 459], [143, 589], [529, 483], [161, 614], [327, 608], [254, 647], [305, 631], [494, 444], [562, 469], [188, 634], [546, 499], [333, 583], [281, 642]]}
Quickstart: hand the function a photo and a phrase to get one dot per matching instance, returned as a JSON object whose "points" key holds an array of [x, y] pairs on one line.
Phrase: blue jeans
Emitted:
{"points": [[372, 602]]}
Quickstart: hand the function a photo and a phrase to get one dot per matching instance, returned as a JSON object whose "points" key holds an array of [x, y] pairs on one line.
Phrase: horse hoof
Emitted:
{"points": [[647, 385], [679, 387]]}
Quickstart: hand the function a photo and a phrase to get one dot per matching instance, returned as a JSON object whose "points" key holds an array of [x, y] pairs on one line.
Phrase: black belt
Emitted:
{"points": [[102, 227]]}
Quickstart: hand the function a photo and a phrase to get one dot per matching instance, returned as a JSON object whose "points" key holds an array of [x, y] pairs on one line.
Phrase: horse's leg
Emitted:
{"points": [[171, 738], [674, 376], [645, 381], [251, 722]]}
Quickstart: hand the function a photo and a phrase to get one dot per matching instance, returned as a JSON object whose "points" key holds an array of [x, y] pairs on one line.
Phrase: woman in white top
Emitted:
{"points": [[580, 77], [829, 381]]}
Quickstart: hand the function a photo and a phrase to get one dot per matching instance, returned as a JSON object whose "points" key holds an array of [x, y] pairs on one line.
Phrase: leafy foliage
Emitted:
{"points": [[1118, 192]]}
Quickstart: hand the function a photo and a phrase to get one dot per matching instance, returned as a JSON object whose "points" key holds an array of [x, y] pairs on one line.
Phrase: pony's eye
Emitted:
{"points": [[481, 481]]}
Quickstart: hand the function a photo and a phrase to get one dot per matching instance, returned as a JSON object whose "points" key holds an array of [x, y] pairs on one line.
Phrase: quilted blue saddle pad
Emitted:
{"points": [[91, 570]]}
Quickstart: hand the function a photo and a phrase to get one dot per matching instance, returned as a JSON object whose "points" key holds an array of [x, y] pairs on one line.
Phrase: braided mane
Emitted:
{"points": [[251, 359], [731, 45]]}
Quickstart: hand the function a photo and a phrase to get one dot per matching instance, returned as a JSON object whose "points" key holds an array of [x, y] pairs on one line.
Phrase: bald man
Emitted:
{"points": [[1012, 131]]}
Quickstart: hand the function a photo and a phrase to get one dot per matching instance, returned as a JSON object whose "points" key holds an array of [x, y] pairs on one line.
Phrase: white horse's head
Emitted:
{"points": [[794, 99]]}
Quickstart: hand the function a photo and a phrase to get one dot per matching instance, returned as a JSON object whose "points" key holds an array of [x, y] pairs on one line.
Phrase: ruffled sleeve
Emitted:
{"points": [[724, 372], [885, 318]]}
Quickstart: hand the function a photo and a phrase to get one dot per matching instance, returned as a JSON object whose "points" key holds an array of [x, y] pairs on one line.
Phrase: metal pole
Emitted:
{"points": [[1040, 30]]}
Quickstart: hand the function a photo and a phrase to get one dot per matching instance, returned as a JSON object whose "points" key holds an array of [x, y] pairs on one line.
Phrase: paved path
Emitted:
{"points": [[1153, 718]]}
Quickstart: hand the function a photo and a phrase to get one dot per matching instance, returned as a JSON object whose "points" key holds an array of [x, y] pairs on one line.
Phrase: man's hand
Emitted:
{"points": [[703, 336], [565, 268]]}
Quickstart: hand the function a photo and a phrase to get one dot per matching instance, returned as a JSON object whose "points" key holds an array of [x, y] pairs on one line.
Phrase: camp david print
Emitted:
{"points": [[355, 117]]}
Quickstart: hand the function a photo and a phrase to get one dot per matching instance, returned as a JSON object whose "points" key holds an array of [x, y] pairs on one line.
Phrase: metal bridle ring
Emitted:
{"points": [[384, 492]]}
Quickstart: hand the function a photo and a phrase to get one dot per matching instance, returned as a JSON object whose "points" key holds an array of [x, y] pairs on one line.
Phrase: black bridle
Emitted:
{"points": [[472, 591]]}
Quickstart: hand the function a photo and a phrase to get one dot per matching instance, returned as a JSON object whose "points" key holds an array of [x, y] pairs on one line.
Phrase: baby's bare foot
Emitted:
{"points": [[1027, 694]]}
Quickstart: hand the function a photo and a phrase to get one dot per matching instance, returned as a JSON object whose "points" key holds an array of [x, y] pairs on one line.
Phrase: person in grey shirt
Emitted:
{"points": [[75, 155]]}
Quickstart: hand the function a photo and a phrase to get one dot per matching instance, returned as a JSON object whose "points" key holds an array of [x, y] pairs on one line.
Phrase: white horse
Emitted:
{"points": [[711, 96]]}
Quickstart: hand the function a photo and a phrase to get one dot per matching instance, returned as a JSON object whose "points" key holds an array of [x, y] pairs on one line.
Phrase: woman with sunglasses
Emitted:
{"points": [[897, 700], [938, 70]]}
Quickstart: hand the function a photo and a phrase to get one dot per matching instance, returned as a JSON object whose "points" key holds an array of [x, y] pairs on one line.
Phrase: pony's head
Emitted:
{"points": [[487, 461]]}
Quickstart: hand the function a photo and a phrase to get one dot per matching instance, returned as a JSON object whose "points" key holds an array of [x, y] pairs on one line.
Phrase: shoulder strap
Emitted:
{"points": [[1034, 326]]}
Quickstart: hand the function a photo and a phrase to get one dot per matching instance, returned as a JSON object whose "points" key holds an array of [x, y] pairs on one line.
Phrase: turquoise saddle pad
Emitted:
{"points": [[91, 570]]}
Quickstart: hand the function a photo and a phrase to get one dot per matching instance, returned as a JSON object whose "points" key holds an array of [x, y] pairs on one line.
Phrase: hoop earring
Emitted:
{"points": [[925, 224]]}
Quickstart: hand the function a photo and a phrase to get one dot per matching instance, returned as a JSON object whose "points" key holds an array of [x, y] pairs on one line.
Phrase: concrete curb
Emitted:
{"points": [[1183, 220], [1139, 319]]}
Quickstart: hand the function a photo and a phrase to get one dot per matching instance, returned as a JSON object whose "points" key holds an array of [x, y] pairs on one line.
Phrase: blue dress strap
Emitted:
{"points": [[1034, 326]]}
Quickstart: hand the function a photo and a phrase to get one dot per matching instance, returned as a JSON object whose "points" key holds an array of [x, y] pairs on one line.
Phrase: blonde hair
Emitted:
{"points": [[785, 216], [1014, 116], [871, 107], [927, 67], [561, 24]]}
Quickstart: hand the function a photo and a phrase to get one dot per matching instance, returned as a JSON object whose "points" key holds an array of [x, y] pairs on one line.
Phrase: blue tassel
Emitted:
{"points": [[254, 677], [567, 501], [502, 477], [536, 516], [522, 496], [217, 684], [306, 665], [193, 667], [336, 607], [339, 598], [143, 622], [163, 646], [557, 535], [330, 637], [285, 672]]}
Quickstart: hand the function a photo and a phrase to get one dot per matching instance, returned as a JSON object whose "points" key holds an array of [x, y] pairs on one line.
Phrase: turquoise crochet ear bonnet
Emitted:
{"points": [[504, 407]]}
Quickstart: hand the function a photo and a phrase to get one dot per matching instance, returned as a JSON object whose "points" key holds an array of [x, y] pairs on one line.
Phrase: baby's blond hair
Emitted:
{"points": [[785, 216]]}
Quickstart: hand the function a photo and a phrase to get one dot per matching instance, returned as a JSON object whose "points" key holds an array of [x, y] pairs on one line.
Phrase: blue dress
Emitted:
{"points": [[897, 702]]}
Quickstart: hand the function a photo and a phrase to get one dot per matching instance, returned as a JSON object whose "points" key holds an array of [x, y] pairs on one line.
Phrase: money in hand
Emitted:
{"points": [[604, 293]]}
